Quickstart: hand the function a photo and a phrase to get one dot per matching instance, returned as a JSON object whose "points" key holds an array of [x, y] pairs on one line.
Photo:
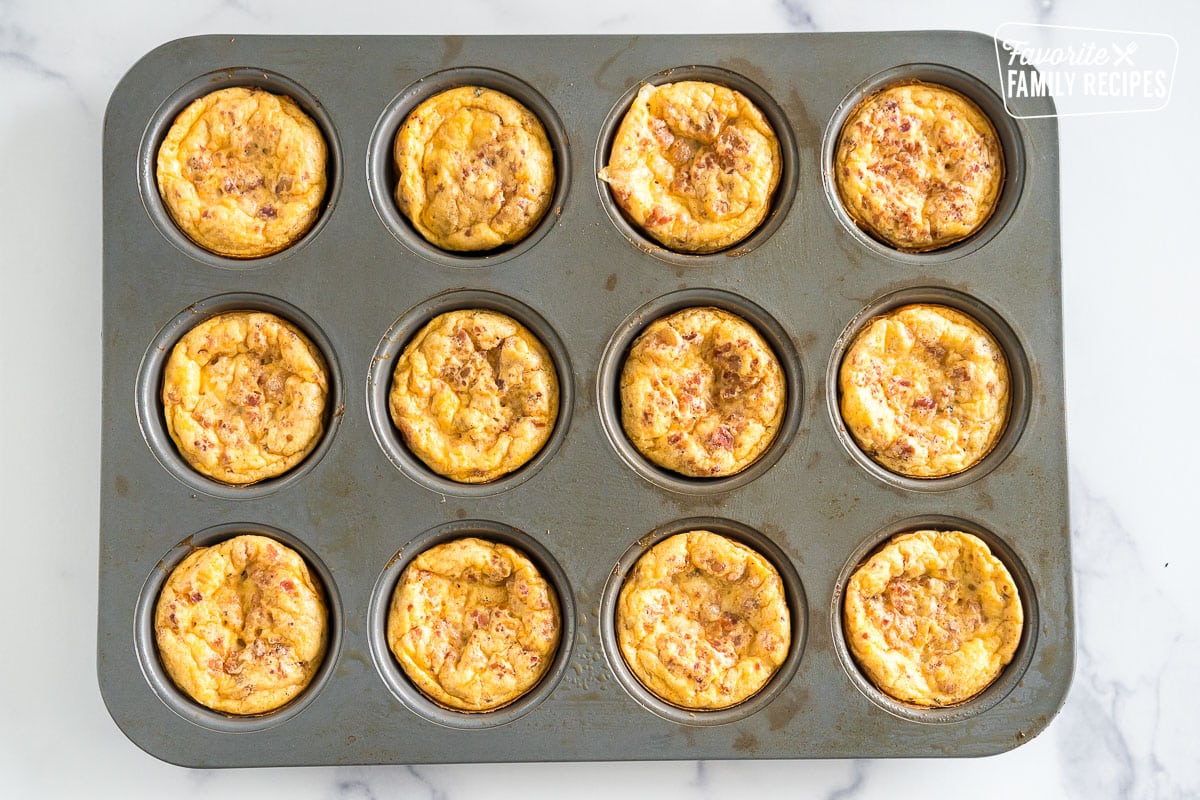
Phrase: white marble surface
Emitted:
{"points": [[1130, 726]]}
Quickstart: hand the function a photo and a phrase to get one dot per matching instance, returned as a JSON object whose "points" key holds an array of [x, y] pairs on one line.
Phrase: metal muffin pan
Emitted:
{"points": [[586, 282]]}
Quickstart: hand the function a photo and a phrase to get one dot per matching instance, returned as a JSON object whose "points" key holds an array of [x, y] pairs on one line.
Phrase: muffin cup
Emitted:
{"points": [[198, 87], [147, 649], [389, 669], [382, 173], [797, 608], [997, 690], [608, 388], [149, 405], [781, 200], [1020, 385], [383, 364], [988, 102]]}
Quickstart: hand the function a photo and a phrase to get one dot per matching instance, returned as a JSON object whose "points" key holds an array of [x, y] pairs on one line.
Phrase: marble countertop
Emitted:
{"points": [[1129, 727]]}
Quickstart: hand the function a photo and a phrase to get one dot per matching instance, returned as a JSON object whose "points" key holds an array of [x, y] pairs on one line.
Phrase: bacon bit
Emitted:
{"points": [[195, 597], [661, 131], [658, 216], [865, 635], [924, 402], [681, 152], [287, 585], [267, 212], [905, 126], [721, 438]]}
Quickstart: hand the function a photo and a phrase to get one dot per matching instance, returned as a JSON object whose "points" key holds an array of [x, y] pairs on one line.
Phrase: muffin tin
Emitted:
{"points": [[588, 505]]}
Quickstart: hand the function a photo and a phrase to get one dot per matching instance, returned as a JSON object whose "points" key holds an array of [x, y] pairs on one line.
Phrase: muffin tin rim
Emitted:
{"points": [[1011, 675], [381, 167], [794, 594], [781, 200], [148, 405], [200, 86], [146, 646], [392, 675], [383, 365]]}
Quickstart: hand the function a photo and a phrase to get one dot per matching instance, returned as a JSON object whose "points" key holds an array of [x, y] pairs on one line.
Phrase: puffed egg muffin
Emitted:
{"points": [[919, 166], [476, 169], [702, 393], [694, 165], [241, 171], [473, 624], [933, 617], [474, 395], [244, 396], [925, 391], [241, 626], [702, 621]]}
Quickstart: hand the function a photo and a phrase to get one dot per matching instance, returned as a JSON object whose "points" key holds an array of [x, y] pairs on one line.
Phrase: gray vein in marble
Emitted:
{"points": [[858, 778], [239, 5], [16, 48], [434, 792], [24, 63], [1089, 736], [1103, 742], [1043, 9], [797, 15], [617, 22], [354, 790], [1161, 771], [16, 45]]}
